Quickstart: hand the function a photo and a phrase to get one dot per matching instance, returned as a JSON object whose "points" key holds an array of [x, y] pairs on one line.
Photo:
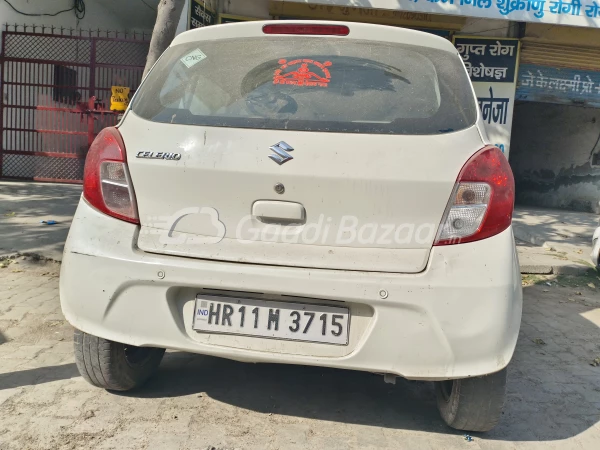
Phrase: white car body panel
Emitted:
{"points": [[362, 31], [459, 318], [228, 169]]}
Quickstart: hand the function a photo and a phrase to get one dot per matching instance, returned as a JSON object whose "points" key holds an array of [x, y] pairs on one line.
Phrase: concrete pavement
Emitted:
{"points": [[23, 205], [554, 241]]}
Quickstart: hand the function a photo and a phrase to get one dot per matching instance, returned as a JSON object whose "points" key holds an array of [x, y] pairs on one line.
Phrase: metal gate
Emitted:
{"points": [[56, 89]]}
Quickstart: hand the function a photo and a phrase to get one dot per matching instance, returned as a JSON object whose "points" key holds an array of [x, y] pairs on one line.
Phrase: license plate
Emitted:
{"points": [[271, 319]]}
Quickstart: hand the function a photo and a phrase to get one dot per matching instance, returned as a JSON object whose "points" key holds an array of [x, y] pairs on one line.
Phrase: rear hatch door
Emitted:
{"points": [[337, 153]]}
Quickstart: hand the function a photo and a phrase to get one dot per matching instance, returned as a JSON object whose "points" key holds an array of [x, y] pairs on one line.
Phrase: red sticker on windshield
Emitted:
{"points": [[303, 72]]}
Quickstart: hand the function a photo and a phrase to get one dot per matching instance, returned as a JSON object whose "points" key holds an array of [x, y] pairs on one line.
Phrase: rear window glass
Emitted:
{"points": [[309, 84]]}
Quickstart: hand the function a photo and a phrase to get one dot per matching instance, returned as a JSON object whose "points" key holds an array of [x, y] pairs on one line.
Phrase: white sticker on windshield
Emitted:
{"points": [[192, 58]]}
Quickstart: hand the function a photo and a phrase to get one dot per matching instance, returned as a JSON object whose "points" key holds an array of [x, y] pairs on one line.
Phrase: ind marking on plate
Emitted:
{"points": [[193, 58]]}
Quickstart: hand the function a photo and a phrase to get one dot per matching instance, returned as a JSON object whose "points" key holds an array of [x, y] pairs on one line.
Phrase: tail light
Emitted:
{"points": [[106, 181], [482, 201], [321, 30]]}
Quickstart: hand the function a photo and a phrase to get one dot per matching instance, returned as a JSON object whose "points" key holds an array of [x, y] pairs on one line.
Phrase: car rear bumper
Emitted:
{"points": [[458, 318]]}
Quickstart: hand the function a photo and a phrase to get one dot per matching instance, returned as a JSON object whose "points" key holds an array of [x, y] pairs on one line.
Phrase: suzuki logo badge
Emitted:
{"points": [[281, 153]]}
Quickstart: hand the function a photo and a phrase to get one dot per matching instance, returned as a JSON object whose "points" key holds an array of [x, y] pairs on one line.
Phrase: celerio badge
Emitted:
{"points": [[281, 152], [159, 155]]}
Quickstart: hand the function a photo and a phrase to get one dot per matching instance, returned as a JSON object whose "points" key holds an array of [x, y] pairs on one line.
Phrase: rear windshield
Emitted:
{"points": [[309, 84]]}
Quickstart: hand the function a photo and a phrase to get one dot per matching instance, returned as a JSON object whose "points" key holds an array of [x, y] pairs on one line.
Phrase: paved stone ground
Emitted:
{"points": [[195, 402], [553, 241], [24, 205]]}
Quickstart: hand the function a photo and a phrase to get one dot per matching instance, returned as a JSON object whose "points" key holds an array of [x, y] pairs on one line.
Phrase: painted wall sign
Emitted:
{"points": [[492, 66], [582, 13], [201, 15], [554, 85], [489, 60]]}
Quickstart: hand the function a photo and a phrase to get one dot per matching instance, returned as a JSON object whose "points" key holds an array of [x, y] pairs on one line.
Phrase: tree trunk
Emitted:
{"points": [[167, 19]]}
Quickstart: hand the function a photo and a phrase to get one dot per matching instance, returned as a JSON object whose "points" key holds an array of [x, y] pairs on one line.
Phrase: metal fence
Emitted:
{"points": [[56, 89]]}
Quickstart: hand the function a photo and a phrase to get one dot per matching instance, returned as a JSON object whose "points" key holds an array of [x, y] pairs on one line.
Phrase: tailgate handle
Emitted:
{"points": [[286, 213]]}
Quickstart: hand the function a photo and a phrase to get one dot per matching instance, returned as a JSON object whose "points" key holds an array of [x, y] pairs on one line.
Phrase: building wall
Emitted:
{"points": [[183, 20], [553, 144], [551, 154], [250, 8], [487, 27], [96, 16]]}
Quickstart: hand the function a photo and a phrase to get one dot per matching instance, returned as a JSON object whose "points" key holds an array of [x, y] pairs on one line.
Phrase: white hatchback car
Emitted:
{"points": [[314, 193]]}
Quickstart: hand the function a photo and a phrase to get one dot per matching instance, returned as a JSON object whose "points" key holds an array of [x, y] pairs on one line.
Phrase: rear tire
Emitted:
{"points": [[472, 404], [112, 365]]}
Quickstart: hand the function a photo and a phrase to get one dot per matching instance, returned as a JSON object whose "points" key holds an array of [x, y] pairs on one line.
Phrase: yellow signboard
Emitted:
{"points": [[119, 98]]}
